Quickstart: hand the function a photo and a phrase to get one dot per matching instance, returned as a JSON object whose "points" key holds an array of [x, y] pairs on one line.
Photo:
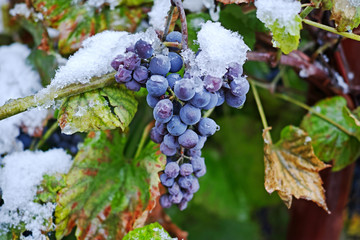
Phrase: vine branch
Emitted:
{"points": [[184, 30]]}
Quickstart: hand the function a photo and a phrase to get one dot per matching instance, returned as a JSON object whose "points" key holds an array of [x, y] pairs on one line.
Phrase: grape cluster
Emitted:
{"points": [[177, 102]]}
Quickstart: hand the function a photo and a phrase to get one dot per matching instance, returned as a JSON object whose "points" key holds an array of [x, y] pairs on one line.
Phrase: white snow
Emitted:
{"points": [[219, 48], [281, 11], [341, 83], [99, 3], [198, 5], [19, 178], [17, 79], [354, 3], [20, 9], [158, 14]]}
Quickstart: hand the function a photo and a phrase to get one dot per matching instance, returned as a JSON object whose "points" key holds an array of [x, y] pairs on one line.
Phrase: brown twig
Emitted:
{"points": [[184, 30]]}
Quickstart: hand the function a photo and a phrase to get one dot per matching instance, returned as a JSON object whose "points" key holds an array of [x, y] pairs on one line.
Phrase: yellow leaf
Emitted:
{"points": [[292, 169]]}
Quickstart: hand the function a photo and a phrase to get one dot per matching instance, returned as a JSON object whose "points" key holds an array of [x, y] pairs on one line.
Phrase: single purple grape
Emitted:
{"points": [[213, 101], [143, 49], [235, 70], [183, 205], [207, 127], [212, 84], [155, 136], [171, 141], [184, 89], [123, 75], [194, 153], [131, 61], [141, 74], [152, 101], [163, 111], [172, 170], [160, 65], [172, 78], [176, 199], [166, 181], [157, 85], [133, 85], [195, 186], [221, 97], [167, 150], [198, 163], [165, 201], [118, 60], [175, 189], [185, 182], [188, 139], [201, 172], [234, 101], [189, 114], [239, 86], [201, 99], [175, 126], [187, 196], [186, 169], [161, 128]]}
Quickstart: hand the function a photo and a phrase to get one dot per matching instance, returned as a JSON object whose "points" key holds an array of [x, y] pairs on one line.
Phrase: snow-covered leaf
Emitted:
{"points": [[152, 231], [331, 143], [292, 169], [108, 195], [346, 14], [100, 109]]}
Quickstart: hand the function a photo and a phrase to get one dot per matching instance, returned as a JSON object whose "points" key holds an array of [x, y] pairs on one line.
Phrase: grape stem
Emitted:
{"points": [[173, 44], [208, 113], [144, 136], [184, 30], [22, 104], [306, 11], [46, 136], [168, 22], [261, 110]]}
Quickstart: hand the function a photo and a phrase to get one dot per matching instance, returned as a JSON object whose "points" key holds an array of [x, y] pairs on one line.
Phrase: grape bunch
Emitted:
{"points": [[179, 103]]}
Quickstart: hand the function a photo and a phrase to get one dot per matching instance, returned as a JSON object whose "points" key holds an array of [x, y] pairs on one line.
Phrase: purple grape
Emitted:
{"points": [[201, 172], [194, 187], [160, 65], [213, 101], [174, 36], [155, 136], [167, 150], [166, 181], [152, 101], [207, 127], [143, 49], [141, 74], [187, 196], [234, 101], [212, 84], [176, 199], [201, 99], [175, 189], [194, 153], [131, 61], [186, 169], [235, 70], [175, 127], [133, 85], [163, 111], [161, 128], [172, 78], [171, 141], [221, 97], [118, 60], [200, 143], [184, 89], [188, 139], [165, 201], [172, 170], [157, 85], [183, 205], [123, 75], [198, 163], [176, 62], [185, 182], [189, 114], [239, 86]]}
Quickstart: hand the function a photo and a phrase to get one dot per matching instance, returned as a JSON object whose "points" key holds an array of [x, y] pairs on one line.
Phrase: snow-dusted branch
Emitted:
{"points": [[19, 105]]}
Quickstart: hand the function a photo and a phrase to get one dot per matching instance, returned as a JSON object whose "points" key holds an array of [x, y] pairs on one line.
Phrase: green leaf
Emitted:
{"points": [[287, 38], [49, 187], [45, 64], [345, 15], [106, 192], [152, 231], [100, 109], [194, 20], [292, 169], [329, 142]]}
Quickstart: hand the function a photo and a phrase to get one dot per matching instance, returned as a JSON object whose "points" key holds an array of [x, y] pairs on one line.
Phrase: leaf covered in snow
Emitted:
{"points": [[152, 231]]}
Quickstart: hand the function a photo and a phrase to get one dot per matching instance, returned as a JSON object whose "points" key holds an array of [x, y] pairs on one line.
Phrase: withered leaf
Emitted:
{"points": [[292, 169]]}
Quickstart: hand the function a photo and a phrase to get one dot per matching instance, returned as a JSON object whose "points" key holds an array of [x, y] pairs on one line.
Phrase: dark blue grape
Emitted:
{"points": [[26, 140], [143, 49], [172, 169], [165, 201], [201, 99], [189, 114], [133, 85], [118, 60], [207, 127], [167, 150], [194, 153], [213, 101], [155, 136], [221, 97], [176, 62], [239, 86], [152, 101], [163, 111], [185, 182], [186, 169], [176, 199], [175, 189], [188, 139], [184, 89], [157, 85], [234, 101], [187, 196], [201, 172], [175, 127], [174, 36], [160, 65], [183, 205], [198, 164], [166, 181], [171, 141], [123, 75], [201, 142], [161, 128], [212, 84], [172, 78], [194, 187], [234, 71], [141, 74]]}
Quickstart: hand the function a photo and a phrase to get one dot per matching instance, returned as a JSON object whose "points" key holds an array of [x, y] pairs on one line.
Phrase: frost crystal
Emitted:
{"points": [[219, 48], [158, 14], [17, 79], [19, 178], [280, 11]]}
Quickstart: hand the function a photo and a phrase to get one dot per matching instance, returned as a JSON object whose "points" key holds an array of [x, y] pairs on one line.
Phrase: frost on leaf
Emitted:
{"points": [[282, 18], [331, 143], [346, 14], [292, 169], [152, 231], [100, 109], [108, 195]]}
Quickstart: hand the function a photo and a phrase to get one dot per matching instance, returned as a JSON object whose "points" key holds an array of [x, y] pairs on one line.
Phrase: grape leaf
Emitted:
{"points": [[152, 231], [49, 187], [287, 38], [329, 142], [325, 4], [108, 195], [100, 109], [234, 1], [292, 169], [345, 15]]}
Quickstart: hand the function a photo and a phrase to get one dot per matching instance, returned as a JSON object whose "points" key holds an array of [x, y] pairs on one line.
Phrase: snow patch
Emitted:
{"points": [[19, 178], [158, 14], [198, 5]]}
